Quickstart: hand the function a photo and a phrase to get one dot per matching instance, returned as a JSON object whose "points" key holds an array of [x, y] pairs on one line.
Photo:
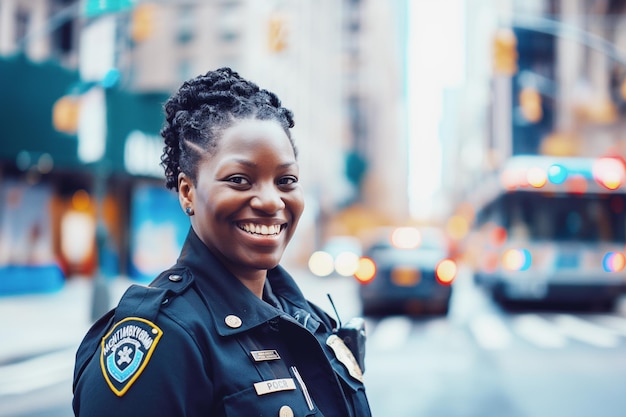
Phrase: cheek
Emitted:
{"points": [[297, 206], [221, 208], [215, 202]]}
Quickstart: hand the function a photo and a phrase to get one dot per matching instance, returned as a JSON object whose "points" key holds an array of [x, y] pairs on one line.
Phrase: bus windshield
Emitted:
{"points": [[593, 218]]}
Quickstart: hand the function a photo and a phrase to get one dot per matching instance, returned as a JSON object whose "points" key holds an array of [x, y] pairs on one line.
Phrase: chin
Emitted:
{"points": [[267, 263]]}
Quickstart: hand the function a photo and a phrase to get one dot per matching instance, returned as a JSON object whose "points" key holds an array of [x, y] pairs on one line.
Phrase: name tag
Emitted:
{"points": [[274, 385], [264, 355]]}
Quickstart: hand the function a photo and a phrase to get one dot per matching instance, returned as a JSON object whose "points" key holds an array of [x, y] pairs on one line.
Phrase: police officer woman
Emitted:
{"points": [[226, 331]]}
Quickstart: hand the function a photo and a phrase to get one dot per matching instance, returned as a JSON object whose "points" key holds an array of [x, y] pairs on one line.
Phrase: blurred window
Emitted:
{"points": [[230, 21], [186, 22], [567, 217]]}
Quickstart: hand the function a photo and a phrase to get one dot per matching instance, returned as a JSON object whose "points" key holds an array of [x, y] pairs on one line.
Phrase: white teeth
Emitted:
{"points": [[260, 229]]}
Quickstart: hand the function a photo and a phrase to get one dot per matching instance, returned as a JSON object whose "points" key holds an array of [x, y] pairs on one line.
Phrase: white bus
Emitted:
{"points": [[553, 229]]}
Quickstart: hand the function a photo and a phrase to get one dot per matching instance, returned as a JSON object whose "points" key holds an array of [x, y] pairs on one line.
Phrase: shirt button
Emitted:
{"points": [[175, 278], [232, 321], [285, 411]]}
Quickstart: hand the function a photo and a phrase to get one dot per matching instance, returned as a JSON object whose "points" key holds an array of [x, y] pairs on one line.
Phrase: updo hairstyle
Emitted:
{"points": [[202, 108]]}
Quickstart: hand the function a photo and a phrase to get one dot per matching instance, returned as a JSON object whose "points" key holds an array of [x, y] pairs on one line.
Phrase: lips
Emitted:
{"points": [[262, 229]]}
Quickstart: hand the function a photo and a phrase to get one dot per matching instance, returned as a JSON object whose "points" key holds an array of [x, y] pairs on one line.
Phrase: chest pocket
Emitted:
{"points": [[280, 391]]}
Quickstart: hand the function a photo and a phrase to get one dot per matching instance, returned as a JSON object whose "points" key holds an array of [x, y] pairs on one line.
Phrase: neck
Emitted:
{"points": [[254, 282]]}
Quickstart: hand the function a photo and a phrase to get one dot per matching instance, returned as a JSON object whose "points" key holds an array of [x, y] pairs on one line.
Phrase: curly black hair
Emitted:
{"points": [[202, 108]]}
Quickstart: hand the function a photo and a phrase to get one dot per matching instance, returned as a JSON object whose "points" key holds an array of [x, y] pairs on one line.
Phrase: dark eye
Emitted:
{"points": [[238, 179], [287, 181]]}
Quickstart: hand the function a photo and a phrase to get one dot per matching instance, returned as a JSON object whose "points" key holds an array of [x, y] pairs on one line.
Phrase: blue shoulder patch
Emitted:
{"points": [[126, 350]]}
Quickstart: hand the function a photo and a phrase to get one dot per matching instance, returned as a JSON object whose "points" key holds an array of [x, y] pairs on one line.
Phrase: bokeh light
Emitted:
{"points": [[346, 263], [406, 238], [321, 263], [613, 262], [81, 200], [446, 271], [608, 172], [557, 174], [536, 177], [457, 227], [498, 236], [516, 259], [577, 184], [366, 271]]}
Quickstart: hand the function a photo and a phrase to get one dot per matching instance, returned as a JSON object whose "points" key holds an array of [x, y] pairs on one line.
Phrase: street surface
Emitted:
{"points": [[478, 361]]}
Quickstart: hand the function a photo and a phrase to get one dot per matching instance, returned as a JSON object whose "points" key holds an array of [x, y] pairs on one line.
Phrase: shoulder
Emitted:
{"points": [[171, 297], [141, 307], [150, 325]]}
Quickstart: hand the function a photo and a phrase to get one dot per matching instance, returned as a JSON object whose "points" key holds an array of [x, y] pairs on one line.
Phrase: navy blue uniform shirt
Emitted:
{"points": [[197, 342]]}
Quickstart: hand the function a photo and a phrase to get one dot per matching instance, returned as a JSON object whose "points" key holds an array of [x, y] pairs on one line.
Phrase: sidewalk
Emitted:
{"points": [[36, 324]]}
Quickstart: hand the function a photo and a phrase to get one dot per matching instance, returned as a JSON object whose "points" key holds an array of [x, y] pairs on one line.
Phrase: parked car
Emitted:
{"points": [[407, 270]]}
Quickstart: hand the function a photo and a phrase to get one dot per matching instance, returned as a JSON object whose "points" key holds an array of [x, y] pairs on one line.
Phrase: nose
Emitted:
{"points": [[268, 199]]}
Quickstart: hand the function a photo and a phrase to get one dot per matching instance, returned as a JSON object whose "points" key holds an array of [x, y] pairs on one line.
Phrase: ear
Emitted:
{"points": [[185, 191]]}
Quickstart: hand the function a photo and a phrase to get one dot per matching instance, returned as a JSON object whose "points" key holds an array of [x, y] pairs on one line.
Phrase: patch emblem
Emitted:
{"points": [[126, 350]]}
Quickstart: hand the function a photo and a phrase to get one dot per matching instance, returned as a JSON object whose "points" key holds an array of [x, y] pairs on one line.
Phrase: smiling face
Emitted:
{"points": [[247, 200]]}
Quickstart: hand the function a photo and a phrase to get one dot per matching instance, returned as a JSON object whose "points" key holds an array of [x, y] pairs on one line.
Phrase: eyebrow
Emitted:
{"points": [[251, 164]]}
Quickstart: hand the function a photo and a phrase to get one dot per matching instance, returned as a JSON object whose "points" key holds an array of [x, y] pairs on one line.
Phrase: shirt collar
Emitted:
{"points": [[233, 306]]}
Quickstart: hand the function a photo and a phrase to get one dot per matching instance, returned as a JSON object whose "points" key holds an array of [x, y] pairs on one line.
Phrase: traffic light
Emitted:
{"points": [[142, 22], [277, 33], [65, 113], [530, 104], [505, 52]]}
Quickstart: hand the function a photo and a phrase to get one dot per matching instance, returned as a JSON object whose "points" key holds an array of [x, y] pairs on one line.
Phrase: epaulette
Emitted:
{"points": [[146, 301]]}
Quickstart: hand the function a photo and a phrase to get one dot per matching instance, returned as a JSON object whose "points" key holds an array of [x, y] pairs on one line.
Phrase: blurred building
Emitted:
{"points": [[337, 65], [544, 77]]}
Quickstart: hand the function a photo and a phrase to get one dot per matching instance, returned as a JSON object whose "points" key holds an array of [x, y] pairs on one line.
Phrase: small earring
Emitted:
{"points": [[189, 211]]}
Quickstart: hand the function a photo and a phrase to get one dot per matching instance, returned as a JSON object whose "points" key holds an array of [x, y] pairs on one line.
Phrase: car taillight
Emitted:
{"points": [[366, 270], [446, 271]]}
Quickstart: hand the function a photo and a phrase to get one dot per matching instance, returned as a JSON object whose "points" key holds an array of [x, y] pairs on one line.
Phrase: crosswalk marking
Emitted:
{"points": [[586, 331], [538, 331], [613, 322], [493, 332], [490, 331], [39, 372]]}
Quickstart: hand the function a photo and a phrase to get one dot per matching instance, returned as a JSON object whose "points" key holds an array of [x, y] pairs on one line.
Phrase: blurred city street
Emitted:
{"points": [[478, 360], [499, 124], [36, 324], [39, 335]]}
